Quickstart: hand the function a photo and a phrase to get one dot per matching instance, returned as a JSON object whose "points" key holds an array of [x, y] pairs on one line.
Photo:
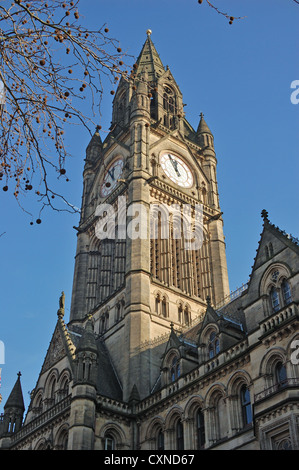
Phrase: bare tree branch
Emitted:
{"points": [[226, 15], [49, 63]]}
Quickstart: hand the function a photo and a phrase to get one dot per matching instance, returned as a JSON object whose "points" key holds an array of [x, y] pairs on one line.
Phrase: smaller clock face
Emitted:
{"points": [[112, 173], [177, 170]]}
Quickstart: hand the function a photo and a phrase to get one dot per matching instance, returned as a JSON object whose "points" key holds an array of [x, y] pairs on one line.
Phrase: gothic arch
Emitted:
{"points": [[37, 400], [216, 391], [194, 402], [206, 332], [240, 399], [275, 358], [236, 381], [175, 427], [43, 444], [175, 412], [194, 413], [63, 382], [116, 432], [270, 359], [270, 279], [152, 428], [218, 412], [51, 384], [61, 437]]}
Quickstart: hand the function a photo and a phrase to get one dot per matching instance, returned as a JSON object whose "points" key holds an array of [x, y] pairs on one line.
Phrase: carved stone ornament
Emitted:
{"points": [[55, 352], [274, 275]]}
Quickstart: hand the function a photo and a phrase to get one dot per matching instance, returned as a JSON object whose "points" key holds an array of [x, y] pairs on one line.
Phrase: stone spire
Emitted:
{"points": [[203, 128], [149, 60], [14, 409], [204, 135], [94, 148], [15, 399]]}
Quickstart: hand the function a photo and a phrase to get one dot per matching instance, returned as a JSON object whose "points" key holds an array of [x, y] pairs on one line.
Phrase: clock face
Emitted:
{"points": [[177, 170], [112, 173]]}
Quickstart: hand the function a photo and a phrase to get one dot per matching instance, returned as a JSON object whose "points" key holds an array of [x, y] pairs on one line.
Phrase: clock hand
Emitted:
{"points": [[112, 174], [174, 164]]}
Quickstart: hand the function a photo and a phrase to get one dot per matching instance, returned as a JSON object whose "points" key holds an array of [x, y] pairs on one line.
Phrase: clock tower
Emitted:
{"points": [[150, 247]]}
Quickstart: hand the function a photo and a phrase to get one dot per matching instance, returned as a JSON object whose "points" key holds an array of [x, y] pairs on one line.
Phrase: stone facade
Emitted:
{"points": [[157, 354]]}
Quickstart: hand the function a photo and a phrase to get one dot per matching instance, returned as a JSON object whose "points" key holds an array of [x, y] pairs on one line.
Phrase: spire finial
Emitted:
{"points": [[149, 32], [60, 311], [19, 374], [264, 215], [201, 115]]}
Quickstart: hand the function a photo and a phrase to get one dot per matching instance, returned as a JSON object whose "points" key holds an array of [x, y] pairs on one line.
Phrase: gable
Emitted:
{"points": [[57, 349]]}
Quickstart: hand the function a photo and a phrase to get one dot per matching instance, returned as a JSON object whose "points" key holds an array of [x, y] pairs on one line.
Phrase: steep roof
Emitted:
{"points": [[15, 399], [285, 239], [149, 60], [203, 128]]}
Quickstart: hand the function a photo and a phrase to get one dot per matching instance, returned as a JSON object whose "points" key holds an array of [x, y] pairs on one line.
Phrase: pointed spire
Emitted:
{"points": [[202, 126], [95, 147], [134, 396], [149, 59], [264, 215], [15, 399]]}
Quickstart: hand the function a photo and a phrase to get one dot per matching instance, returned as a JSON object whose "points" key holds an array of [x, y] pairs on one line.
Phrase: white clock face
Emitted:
{"points": [[177, 170], [113, 172]]}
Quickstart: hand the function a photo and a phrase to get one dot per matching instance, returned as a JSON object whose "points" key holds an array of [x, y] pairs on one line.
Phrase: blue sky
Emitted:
{"points": [[240, 77]]}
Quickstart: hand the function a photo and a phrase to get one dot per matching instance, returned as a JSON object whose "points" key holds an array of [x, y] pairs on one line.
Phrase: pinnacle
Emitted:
{"points": [[202, 126]]}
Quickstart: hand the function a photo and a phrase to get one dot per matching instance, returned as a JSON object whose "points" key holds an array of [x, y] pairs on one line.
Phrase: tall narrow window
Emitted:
{"points": [[179, 436], [186, 316], [180, 312], [246, 405], [160, 440], [164, 307], [286, 292], [109, 442], [214, 346], [175, 370], [280, 374], [157, 304], [274, 299], [200, 429]]}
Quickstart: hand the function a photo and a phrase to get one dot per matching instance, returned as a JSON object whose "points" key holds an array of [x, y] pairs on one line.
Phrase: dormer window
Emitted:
{"points": [[286, 292], [274, 299], [214, 346], [276, 288], [175, 369]]}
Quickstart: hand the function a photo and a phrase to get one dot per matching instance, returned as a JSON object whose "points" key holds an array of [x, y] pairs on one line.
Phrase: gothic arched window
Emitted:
{"points": [[246, 405], [179, 435], [180, 312], [109, 442], [160, 440], [175, 369], [157, 304], [214, 346], [200, 429], [274, 299], [186, 316], [164, 307], [286, 292], [280, 374]]}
